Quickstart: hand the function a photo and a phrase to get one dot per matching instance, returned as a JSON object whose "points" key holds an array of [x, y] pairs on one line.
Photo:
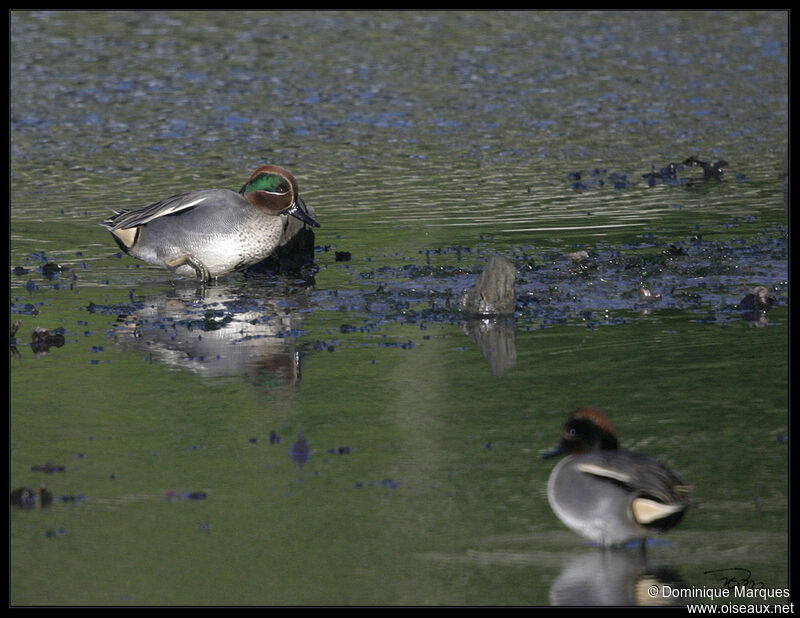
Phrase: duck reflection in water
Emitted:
{"points": [[614, 578], [219, 331]]}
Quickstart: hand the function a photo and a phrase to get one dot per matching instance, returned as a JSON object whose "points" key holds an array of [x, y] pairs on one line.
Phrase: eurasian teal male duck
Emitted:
{"points": [[211, 232], [607, 495]]}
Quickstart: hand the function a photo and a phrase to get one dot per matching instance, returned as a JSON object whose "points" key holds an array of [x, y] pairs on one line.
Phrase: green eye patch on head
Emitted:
{"points": [[268, 182]]}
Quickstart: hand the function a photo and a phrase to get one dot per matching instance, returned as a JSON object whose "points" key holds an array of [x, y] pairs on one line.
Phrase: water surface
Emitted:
{"points": [[426, 142]]}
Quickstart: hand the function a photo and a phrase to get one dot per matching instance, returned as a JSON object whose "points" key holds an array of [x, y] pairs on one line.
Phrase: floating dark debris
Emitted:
{"points": [[42, 339], [668, 175], [648, 296], [397, 344], [47, 468], [190, 495], [27, 498], [39, 256], [322, 346], [674, 251], [25, 309], [13, 339], [51, 270], [754, 306], [598, 177], [300, 451], [578, 257], [711, 171], [115, 309], [757, 299], [384, 484]]}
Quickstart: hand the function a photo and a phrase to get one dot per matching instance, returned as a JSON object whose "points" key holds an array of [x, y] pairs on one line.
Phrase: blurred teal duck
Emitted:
{"points": [[607, 495], [211, 232]]}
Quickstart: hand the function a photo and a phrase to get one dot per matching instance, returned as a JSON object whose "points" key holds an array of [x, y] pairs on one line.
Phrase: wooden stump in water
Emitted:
{"points": [[489, 309], [494, 293]]}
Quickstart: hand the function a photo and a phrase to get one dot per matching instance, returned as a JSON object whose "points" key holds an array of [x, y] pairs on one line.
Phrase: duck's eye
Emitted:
{"points": [[269, 182]]}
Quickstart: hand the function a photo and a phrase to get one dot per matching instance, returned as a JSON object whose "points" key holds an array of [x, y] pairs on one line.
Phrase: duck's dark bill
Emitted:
{"points": [[553, 452], [298, 209]]}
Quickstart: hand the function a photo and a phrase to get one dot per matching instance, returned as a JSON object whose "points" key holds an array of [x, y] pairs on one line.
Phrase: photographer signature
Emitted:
{"points": [[736, 576]]}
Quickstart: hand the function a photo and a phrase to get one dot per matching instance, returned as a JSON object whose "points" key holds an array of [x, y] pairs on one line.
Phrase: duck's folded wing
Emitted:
{"points": [[647, 476], [133, 218]]}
